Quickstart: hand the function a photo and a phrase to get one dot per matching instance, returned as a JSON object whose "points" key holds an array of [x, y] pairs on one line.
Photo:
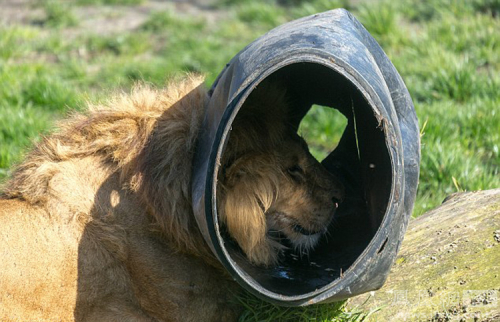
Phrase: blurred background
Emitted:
{"points": [[55, 55]]}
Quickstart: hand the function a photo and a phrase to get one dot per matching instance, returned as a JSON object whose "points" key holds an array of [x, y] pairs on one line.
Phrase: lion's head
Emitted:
{"points": [[273, 193], [278, 197]]}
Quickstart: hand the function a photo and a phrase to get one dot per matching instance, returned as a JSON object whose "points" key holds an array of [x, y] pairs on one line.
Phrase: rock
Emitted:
{"points": [[448, 266]]}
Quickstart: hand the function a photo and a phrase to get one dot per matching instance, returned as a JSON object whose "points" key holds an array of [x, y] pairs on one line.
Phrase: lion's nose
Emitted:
{"points": [[337, 190]]}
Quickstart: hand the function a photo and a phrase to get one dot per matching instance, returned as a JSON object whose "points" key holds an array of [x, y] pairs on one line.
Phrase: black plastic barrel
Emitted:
{"points": [[327, 59]]}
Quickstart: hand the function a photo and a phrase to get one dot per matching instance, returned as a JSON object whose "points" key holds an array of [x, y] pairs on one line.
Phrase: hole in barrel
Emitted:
{"points": [[322, 128], [381, 249]]}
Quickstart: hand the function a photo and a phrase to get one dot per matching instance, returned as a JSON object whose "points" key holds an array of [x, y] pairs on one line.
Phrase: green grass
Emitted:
{"points": [[261, 14], [447, 51], [322, 127], [57, 14], [257, 310]]}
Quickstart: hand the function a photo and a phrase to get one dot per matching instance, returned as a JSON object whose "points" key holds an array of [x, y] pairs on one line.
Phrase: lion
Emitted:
{"points": [[97, 222]]}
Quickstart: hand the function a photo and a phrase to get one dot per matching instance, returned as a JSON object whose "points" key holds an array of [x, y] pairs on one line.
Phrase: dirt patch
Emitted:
{"points": [[22, 12]]}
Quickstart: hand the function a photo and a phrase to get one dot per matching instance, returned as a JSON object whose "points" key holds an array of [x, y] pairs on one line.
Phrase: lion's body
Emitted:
{"points": [[115, 269], [83, 234]]}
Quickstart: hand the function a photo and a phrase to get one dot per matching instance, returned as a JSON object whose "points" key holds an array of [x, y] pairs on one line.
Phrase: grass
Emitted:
{"points": [[447, 51], [57, 14], [259, 311], [322, 127]]}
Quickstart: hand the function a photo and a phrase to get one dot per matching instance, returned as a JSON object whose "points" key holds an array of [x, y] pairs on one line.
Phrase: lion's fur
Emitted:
{"points": [[76, 243], [122, 134]]}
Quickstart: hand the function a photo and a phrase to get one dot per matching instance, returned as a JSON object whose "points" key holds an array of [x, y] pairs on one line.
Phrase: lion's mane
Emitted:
{"points": [[97, 220], [147, 136]]}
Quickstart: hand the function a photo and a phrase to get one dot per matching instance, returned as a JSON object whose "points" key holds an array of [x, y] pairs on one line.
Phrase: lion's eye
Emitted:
{"points": [[296, 172]]}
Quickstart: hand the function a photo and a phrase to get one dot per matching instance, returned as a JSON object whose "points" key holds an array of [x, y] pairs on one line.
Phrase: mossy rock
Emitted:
{"points": [[448, 268]]}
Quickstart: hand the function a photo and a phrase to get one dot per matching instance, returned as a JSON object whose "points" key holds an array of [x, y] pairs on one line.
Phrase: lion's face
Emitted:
{"points": [[307, 197], [279, 197]]}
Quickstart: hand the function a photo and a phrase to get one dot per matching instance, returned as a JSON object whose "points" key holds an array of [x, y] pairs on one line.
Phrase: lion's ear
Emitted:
{"points": [[247, 193]]}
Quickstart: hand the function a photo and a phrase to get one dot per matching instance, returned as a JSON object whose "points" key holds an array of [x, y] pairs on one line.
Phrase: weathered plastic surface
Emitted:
{"points": [[327, 59]]}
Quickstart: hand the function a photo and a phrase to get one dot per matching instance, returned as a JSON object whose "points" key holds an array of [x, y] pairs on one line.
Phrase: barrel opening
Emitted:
{"points": [[360, 159]]}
